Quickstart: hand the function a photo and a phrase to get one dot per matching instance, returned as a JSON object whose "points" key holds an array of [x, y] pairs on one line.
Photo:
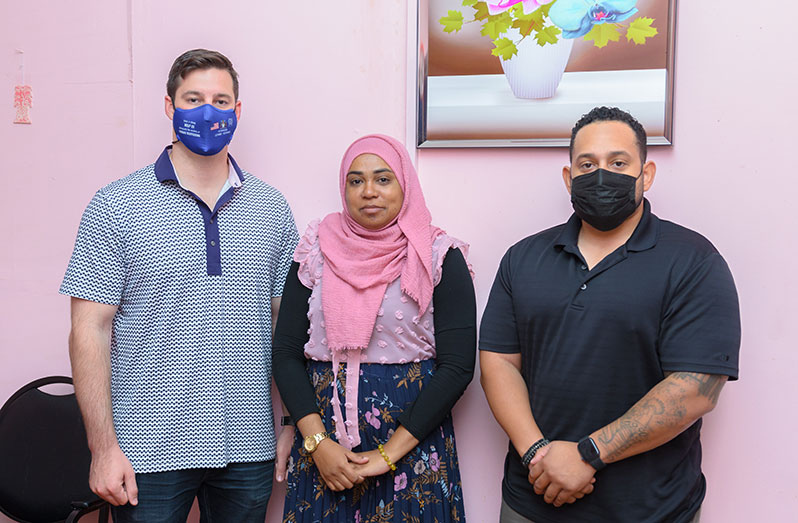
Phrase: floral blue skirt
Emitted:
{"points": [[426, 484]]}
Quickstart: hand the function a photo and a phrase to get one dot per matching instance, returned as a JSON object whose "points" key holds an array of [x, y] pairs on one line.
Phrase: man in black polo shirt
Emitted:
{"points": [[604, 341]]}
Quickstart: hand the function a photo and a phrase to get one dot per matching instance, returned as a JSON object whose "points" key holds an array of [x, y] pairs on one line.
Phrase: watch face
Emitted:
{"points": [[311, 442], [588, 449], [590, 453]]}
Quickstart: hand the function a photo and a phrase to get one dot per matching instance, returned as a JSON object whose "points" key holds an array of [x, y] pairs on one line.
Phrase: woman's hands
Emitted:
{"points": [[338, 466], [400, 443], [375, 466], [341, 468]]}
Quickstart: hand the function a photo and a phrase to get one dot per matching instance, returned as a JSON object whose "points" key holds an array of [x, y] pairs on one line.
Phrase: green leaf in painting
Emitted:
{"points": [[481, 9], [504, 48], [640, 29], [497, 25], [547, 35], [452, 22], [601, 34]]}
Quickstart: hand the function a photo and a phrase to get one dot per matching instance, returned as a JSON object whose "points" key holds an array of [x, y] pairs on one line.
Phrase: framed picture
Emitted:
{"points": [[520, 73]]}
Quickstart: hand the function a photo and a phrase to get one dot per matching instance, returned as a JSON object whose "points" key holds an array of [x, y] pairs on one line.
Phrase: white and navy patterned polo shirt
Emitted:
{"points": [[191, 340]]}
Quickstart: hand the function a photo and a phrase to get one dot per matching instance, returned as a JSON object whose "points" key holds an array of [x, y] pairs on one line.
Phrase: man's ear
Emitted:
{"points": [[649, 173], [169, 107], [566, 177]]}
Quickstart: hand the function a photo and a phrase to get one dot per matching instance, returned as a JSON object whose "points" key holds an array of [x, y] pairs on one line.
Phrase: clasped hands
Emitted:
{"points": [[342, 469], [558, 473]]}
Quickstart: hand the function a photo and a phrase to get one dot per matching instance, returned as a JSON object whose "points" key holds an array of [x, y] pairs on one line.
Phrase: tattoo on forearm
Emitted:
{"points": [[664, 407], [632, 427], [709, 385]]}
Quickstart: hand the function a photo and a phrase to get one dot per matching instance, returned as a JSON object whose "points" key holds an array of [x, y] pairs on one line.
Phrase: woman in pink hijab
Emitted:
{"points": [[375, 342]]}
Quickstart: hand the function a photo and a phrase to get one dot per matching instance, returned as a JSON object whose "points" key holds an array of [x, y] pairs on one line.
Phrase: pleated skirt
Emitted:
{"points": [[425, 487]]}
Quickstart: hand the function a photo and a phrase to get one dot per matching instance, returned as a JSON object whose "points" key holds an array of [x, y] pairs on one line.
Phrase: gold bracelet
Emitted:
{"points": [[385, 457]]}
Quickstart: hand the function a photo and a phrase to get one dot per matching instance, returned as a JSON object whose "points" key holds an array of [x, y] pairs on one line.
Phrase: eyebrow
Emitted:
{"points": [[378, 171], [612, 153], [199, 94]]}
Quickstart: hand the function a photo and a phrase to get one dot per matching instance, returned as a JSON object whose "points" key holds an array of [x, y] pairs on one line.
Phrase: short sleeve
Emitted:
{"points": [[440, 247], [498, 331], [308, 255], [96, 271], [701, 324], [290, 240]]}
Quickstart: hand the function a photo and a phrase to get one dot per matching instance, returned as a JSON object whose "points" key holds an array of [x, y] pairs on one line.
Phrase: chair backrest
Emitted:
{"points": [[44, 456]]}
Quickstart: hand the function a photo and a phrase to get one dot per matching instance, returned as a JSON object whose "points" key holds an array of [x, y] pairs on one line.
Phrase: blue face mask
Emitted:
{"points": [[205, 130]]}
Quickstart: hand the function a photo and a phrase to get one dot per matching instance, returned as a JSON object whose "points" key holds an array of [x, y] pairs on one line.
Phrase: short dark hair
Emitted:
{"points": [[611, 114], [198, 59]]}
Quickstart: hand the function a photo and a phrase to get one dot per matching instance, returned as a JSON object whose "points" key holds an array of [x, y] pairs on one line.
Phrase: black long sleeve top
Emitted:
{"points": [[455, 323]]}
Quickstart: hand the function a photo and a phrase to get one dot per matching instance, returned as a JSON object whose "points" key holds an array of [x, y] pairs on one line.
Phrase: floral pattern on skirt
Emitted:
{"points": [[426, 484]]}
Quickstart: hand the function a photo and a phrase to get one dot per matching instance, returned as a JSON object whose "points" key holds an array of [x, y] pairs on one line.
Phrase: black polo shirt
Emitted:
{"points": [[593, 342]]}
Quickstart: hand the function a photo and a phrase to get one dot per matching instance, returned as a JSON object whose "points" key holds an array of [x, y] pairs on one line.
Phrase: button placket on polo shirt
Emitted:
{"points": [[584, 276], [210, 221], [213, 249]]}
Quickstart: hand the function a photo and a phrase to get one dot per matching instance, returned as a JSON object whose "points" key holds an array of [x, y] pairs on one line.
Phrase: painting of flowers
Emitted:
{"points": [[499, 73]]}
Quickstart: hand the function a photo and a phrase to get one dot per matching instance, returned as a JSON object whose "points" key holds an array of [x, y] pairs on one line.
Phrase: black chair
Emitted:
{"points": [[44, 457]]}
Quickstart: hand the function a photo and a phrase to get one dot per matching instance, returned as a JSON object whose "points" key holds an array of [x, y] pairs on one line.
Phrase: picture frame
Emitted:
{"points": [[460, 93]]}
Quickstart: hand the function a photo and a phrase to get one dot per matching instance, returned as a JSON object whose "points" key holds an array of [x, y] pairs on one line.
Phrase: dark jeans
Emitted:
{"points": [[238, 492]]}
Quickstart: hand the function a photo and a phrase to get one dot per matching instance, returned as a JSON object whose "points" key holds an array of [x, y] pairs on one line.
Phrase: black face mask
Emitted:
{"points": [[604, 199]]}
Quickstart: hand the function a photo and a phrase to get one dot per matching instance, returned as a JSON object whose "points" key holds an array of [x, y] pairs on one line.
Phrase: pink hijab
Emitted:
{"points": [[360, 263]]}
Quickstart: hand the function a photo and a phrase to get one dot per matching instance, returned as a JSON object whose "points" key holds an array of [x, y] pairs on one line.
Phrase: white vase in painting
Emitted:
{"points": [[535, 72]]}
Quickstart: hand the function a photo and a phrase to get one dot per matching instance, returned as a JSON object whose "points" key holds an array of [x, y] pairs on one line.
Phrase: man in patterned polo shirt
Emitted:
{"points": [[175, 281]]}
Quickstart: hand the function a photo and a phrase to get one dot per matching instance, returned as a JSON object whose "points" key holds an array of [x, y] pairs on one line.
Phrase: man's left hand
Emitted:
{"points": [[561, 476], [285, 442]]}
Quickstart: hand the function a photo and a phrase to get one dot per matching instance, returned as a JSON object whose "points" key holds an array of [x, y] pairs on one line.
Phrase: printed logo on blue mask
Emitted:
{"points": [[205, 129]]}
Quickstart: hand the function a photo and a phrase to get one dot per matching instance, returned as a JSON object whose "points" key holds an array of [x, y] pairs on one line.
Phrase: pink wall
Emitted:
{"points": [[313, 79]]}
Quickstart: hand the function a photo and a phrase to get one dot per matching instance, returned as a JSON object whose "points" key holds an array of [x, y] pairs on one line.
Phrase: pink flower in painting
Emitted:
{"points": [[400, 482], [434, 462], [357, 516], [373, 417], [420, 467], [496, 7]]}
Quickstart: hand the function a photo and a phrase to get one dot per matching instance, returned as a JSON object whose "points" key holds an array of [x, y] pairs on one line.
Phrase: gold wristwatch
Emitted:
{"points": [[312, 441]]}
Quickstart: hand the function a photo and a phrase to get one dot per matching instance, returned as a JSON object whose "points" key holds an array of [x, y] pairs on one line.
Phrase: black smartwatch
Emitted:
{"points": [[590, 453]]}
